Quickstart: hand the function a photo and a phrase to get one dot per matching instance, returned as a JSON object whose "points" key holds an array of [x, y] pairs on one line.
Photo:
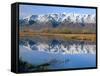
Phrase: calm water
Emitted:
{"points": [[58, 52]]}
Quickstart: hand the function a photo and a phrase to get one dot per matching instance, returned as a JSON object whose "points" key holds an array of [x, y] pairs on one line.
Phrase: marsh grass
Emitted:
{"points": [[81, 37]]}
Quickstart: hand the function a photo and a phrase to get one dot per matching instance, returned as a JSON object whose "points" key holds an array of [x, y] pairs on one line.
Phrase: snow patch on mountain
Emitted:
{"points": [[61, 17]]}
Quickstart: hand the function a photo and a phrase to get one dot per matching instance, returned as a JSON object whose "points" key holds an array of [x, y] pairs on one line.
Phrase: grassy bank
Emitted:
{"points": [[89, 37]]}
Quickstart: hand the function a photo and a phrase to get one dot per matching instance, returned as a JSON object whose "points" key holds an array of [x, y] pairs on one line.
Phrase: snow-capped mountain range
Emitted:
{"points": [[59, 18]]}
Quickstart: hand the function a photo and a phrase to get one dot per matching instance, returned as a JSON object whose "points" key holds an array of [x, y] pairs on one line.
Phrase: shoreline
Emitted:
{"points": [[87, 37]]}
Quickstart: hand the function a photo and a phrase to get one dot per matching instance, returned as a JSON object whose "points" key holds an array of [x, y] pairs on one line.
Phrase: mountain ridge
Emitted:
{"points": [[59, 23], [60, 18]]}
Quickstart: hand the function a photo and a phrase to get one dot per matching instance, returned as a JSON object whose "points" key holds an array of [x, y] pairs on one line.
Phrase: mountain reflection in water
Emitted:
{"points": [[45, 53], [58, 45]]}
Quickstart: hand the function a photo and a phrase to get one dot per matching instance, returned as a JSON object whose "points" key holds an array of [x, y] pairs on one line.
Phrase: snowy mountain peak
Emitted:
{"points": [[60, 18]]}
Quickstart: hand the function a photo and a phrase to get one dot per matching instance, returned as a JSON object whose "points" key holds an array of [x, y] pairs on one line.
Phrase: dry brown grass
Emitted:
{"points": [[88, 37]]}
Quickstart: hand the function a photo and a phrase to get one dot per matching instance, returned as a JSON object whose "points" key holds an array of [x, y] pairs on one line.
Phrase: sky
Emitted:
{"points": [[27, 10]]}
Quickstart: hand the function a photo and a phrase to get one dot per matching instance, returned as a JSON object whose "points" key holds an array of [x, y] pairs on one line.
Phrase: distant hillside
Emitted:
{"points": [[59, 23]]}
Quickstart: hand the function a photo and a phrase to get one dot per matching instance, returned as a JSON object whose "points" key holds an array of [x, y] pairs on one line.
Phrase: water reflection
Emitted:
{"points": [[55, 45]]}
